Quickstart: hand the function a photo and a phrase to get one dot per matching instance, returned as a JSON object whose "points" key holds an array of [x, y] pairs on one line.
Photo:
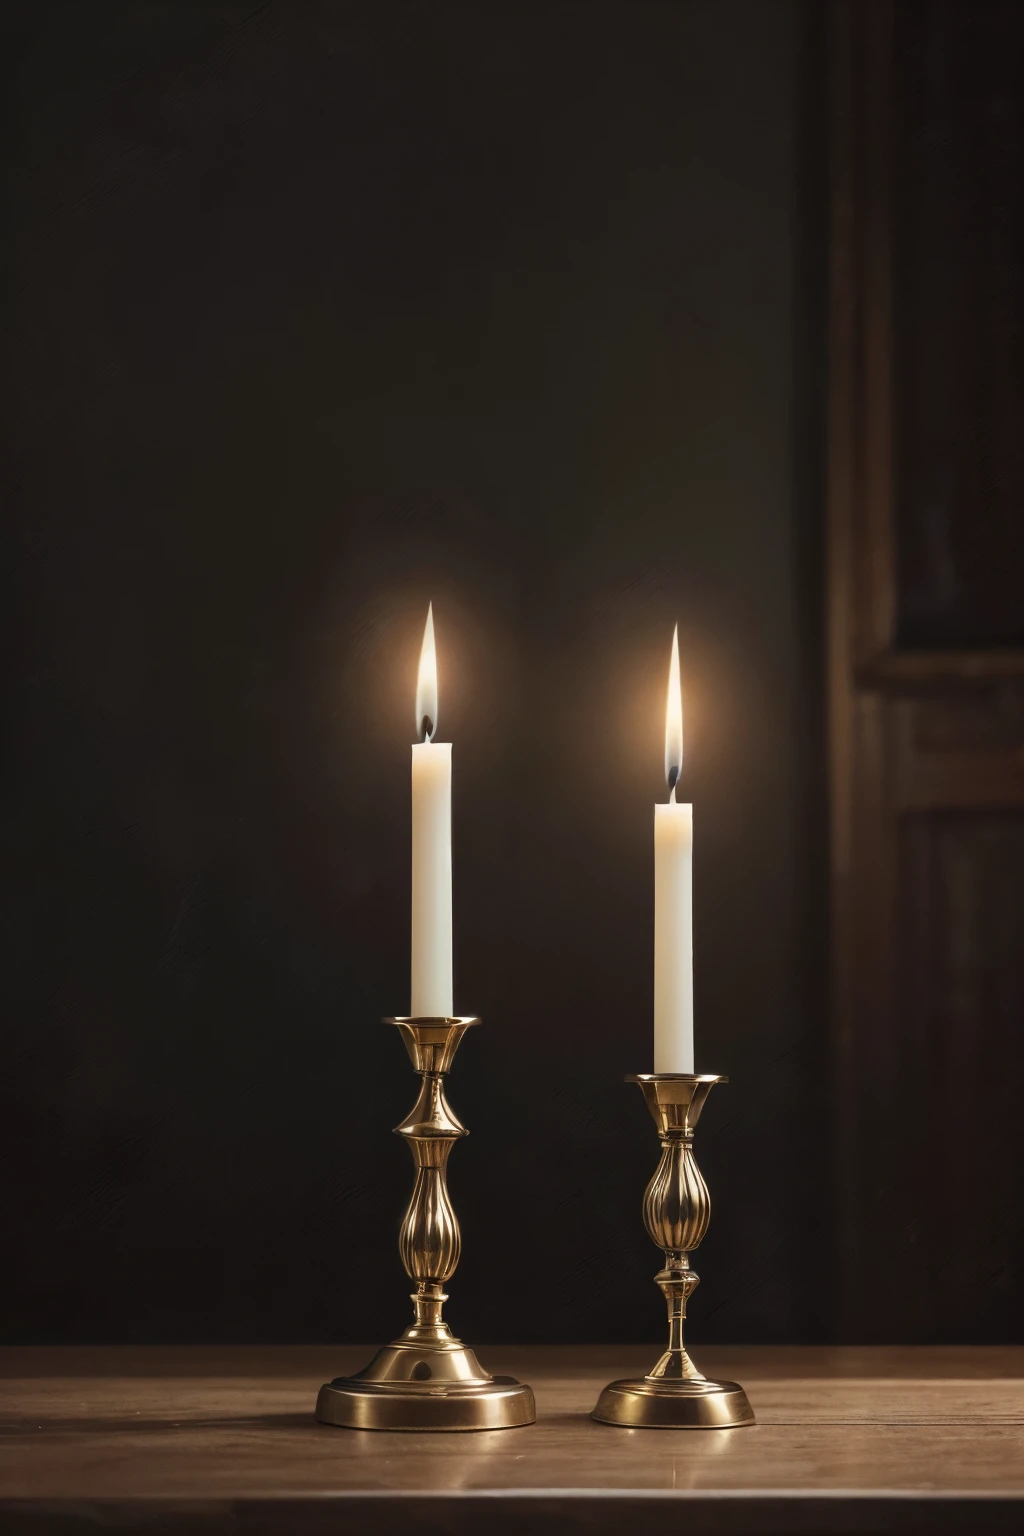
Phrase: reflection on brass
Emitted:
{"points": [[677, 1209], [427, 1379]]}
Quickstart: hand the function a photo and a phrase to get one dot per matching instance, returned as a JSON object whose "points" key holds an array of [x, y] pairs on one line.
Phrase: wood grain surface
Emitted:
{"points": [[208, 1439]]}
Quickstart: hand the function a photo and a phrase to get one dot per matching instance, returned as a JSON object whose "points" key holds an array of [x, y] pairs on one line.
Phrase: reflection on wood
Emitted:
{"points": [[166, 1440]]}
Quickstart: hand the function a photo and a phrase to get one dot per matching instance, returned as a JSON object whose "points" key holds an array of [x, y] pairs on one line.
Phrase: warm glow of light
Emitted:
{"points": [[426, 684], [674, 721]]}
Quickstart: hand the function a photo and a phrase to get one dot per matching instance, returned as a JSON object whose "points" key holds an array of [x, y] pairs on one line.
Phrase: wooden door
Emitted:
{"points": [[926, 665]]}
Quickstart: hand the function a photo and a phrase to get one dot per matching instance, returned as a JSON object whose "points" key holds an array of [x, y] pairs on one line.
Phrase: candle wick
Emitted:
{"points": [[673, 780], [672, 795], [427, 728]]}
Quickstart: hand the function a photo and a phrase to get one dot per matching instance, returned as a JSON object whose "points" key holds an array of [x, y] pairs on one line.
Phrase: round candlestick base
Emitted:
{"points": [[500, 1403], [426, 1380], [645, 1404]]}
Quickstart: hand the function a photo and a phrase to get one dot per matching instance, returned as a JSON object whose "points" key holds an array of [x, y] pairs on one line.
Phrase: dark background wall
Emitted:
{"points": [[324, 311]]}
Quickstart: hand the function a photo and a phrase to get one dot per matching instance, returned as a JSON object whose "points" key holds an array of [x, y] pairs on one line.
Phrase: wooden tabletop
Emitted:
{"points": [[205, 1440]]}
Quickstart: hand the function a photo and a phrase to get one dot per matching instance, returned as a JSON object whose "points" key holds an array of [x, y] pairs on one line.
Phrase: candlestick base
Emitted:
{"points": [[646, 1404], [427, 1379], [417, 1384], [677, 1209]]}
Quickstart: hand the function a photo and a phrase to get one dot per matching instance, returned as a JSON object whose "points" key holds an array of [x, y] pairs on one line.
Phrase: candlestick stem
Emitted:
{"points": [[427, 1379], [677, 1210], [677, 1281]]}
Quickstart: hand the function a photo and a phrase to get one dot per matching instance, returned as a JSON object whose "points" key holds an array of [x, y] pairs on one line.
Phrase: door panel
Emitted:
{"points": [[926, 669]]}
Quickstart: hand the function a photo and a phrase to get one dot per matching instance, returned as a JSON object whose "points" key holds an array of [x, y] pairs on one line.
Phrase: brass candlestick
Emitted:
{"points": [[677, 1209], [427, 1379]]}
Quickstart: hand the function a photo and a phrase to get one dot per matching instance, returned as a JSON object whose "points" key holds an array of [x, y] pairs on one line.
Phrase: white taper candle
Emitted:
{"points": [[431, 958], [673, 900]]}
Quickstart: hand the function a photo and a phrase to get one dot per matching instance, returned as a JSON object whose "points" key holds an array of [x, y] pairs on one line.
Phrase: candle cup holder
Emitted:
{"points": [[427, 1379], [677, 1209]]}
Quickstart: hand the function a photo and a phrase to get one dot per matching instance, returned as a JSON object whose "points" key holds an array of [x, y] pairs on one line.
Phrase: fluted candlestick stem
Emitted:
{"points": [[427, 1379], [677, 1210]]}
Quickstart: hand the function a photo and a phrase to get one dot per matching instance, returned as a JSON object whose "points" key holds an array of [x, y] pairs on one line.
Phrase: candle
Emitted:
{"points": [[673, 900], [431, 965]]}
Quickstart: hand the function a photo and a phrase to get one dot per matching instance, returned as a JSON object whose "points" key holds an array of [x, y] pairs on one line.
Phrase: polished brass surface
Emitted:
{"points": [[677, 1208], [427, 1379], [432, 1043]]}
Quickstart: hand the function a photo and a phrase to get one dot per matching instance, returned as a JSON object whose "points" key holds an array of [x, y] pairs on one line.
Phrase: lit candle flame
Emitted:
{"points": [[674, 722], [426, 683]]}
